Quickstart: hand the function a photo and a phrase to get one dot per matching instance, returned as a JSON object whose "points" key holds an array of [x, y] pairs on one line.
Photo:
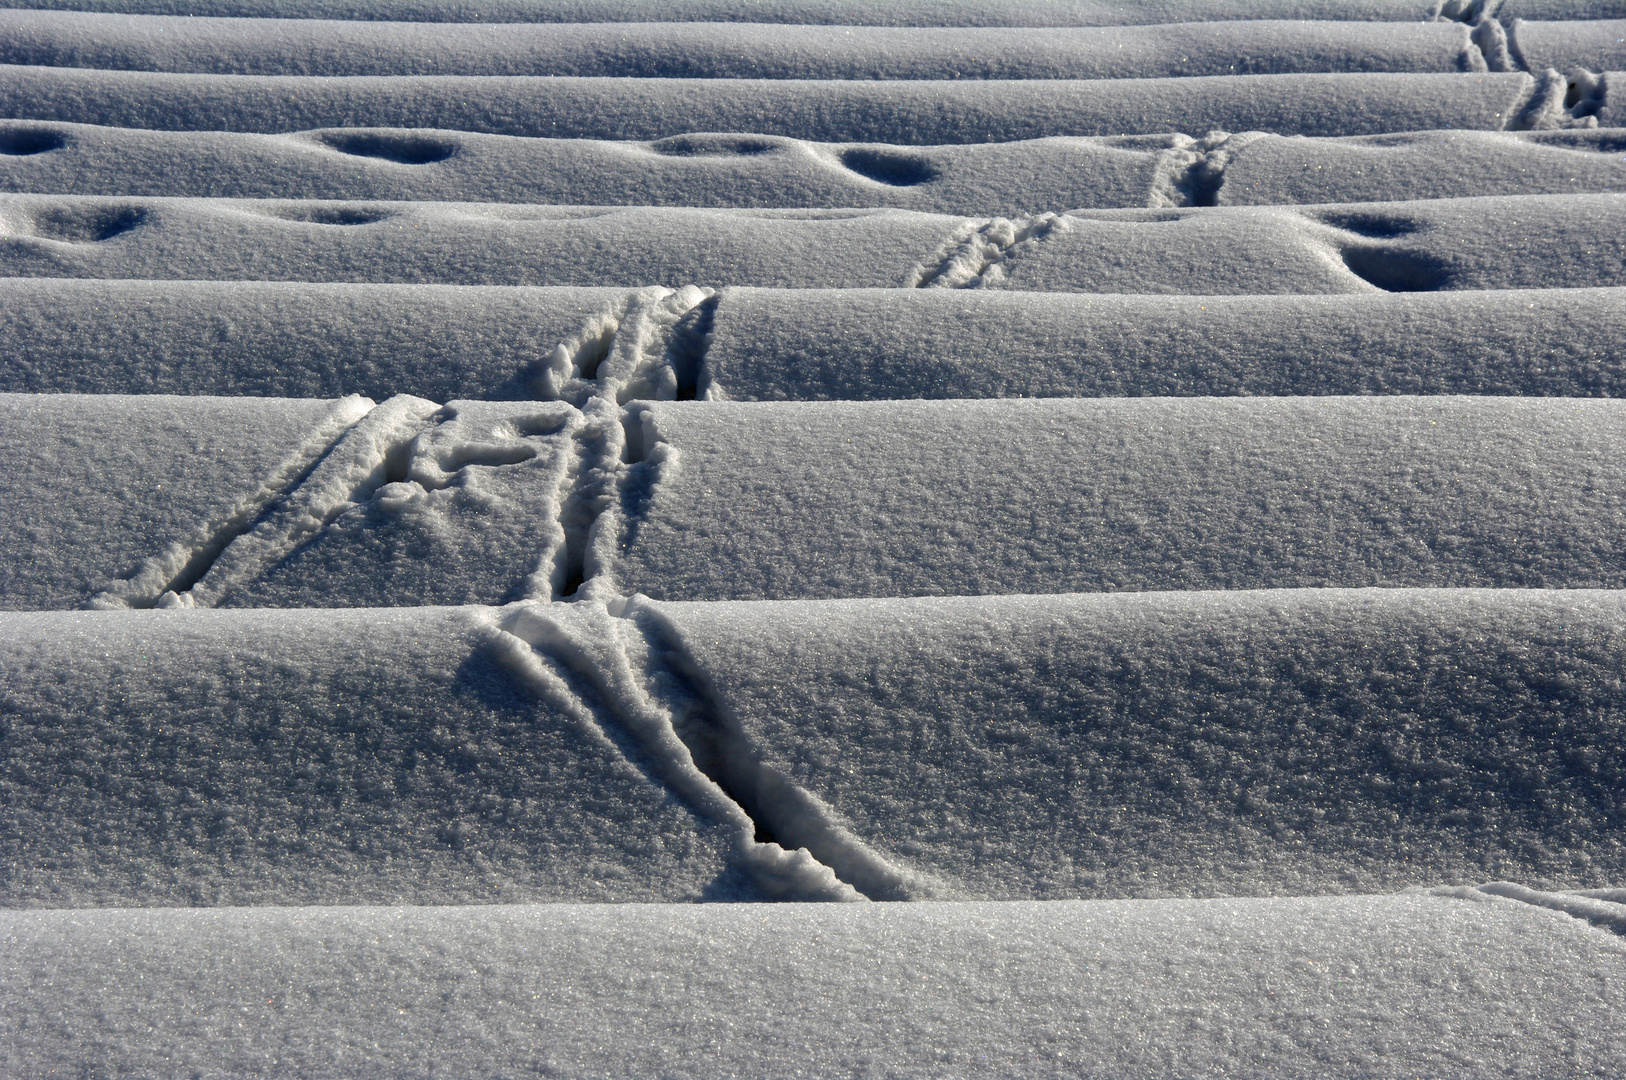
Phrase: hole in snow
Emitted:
{"points": [[1397, 271], [714, 146], [317, 214], [401, 147], [21, 142], [1376, 226], [86, 224], [888, 166]]}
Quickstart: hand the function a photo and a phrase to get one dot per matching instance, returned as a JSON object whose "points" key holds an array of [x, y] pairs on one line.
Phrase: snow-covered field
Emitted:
{"points": [[812, 538]]}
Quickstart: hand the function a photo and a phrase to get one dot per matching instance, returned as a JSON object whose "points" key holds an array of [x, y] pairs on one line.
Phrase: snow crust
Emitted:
{"points": [[1273, 742], [810, 500], [781, 345], [915, 112], [324, 757], [1356, 986]]}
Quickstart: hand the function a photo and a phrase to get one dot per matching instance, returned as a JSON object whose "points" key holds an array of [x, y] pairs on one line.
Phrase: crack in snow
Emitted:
{"points": [[161, 580]]}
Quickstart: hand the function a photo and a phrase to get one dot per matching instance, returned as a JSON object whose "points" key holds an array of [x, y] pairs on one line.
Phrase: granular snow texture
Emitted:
{"points": [[922, 112], [1517, 242], [1270, 742], [1441, 983], [1251, 168], [738, 50], [793, 500], [858, 344], [495, 491], [385, 757], [94, 486]]}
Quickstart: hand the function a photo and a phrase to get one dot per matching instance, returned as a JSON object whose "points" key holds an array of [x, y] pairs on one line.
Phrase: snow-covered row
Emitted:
{"points": [[317, 504], [1515, 242], [1595, 46], [1438, 983], [295, 339], [780, 345], [214, 502], [96, 485], [800, 500], [1272, 742], [923, 112], [199, 758], [754, 50], [1251, 168], [853, 12], [443, 342]]}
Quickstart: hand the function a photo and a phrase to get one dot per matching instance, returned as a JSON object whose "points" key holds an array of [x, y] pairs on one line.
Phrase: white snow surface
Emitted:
{"points": [[795, 500], [1160, 460], [850, 12], [1269, 742], [742, 50], [859, 344], [291, 339], [1441, 983], [96, 486], [414, 756], [1009, 178], [921, 112], [1510, 242]]}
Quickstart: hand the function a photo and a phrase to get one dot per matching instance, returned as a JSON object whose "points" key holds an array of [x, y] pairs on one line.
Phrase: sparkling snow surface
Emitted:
{"points": [[937, 538]]}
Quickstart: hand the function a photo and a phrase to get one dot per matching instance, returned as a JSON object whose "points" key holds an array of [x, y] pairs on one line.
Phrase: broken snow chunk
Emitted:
{"points": [[464, 508]]}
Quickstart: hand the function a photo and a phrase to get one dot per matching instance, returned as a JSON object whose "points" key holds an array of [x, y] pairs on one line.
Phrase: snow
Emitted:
{"points": [[93, 486], [459, 243], [1421, 165], [1250, 168], [1512, 242], [917, 112], [287, 339], [803, 500], [1518, 242], [1595, 46], [779, 345], [1420, 984], [325, 757], [838, 12], [1271, 742], [458, 506], [734, 51], [927, 458]]}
